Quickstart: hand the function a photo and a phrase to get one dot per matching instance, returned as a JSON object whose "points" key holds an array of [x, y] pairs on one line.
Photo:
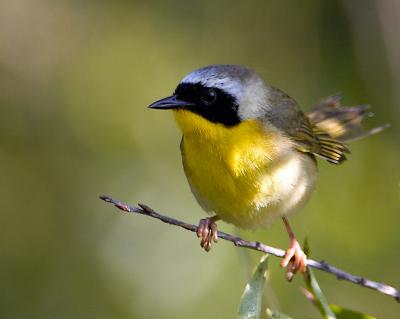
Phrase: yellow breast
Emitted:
{"points": [[232, 171]]}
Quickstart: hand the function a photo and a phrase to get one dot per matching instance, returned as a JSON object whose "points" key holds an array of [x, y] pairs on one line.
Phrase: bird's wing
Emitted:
{"points": [[308, 138], [311, 139]]}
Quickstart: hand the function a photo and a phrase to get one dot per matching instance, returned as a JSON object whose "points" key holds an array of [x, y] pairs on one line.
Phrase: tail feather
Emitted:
{"points": [[342, 123]]}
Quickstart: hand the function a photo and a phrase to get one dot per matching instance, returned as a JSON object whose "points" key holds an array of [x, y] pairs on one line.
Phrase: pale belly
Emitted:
{"points": [[257, 192]]}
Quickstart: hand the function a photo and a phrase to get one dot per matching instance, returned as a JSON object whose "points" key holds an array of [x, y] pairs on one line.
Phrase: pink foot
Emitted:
{"points": [[295, 259], [207, 232]]}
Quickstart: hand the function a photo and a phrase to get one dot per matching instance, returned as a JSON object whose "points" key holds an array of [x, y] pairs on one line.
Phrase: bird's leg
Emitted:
{"points": [[207, 232], [295, 259]]}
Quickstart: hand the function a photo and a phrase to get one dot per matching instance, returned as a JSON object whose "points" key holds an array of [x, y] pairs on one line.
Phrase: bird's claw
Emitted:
{"points": [[295, 259], [207, 232]]}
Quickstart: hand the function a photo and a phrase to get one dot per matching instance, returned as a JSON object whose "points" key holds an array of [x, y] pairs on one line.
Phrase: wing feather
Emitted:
{"points": [[308, 137]]}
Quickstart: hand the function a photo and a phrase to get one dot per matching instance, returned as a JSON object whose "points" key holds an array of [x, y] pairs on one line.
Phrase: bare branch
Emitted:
{"points": [[237, 241]]}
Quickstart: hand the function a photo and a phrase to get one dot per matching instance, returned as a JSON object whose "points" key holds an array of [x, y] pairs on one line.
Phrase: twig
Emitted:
{"points": [[237, 241]]}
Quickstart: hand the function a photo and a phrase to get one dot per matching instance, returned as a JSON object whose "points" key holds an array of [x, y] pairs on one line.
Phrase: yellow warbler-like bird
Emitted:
{"points": [[249, 153]]}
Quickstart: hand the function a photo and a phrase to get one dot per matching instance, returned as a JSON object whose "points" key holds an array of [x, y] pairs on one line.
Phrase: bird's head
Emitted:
{"points": [[219, 94]]}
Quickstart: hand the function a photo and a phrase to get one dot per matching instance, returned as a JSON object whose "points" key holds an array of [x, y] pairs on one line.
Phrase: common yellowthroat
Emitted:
{"points": [[249, 152]]}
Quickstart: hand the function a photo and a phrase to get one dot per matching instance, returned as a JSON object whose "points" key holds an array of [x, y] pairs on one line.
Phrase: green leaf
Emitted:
{"points": [[251, 302], [306, 247], [342, 313], [319, 298], [276, 315], [315, 294]]}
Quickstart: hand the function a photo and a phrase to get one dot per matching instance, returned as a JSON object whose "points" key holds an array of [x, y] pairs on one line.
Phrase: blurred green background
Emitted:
{"points": [[75, 79]]}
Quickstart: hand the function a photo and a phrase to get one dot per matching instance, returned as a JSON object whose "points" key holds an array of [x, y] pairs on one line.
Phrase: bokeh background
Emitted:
{"points": [[75, 80]]}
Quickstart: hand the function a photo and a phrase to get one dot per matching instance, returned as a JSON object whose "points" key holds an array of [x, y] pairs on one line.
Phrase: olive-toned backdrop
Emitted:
{"points": [[75, 80]]}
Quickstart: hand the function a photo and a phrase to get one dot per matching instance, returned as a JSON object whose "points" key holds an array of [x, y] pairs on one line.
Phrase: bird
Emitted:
{"points": [[250, 153]]}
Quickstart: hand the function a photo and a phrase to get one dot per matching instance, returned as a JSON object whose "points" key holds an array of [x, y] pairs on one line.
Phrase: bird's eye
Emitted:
{"points": [[209, 96]]}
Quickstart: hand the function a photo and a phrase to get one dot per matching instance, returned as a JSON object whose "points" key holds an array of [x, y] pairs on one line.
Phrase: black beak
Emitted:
{"points": [[170, 102]]}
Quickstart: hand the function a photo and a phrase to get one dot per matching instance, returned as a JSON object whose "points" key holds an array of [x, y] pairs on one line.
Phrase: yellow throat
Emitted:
{"points": [[226, 166]]}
